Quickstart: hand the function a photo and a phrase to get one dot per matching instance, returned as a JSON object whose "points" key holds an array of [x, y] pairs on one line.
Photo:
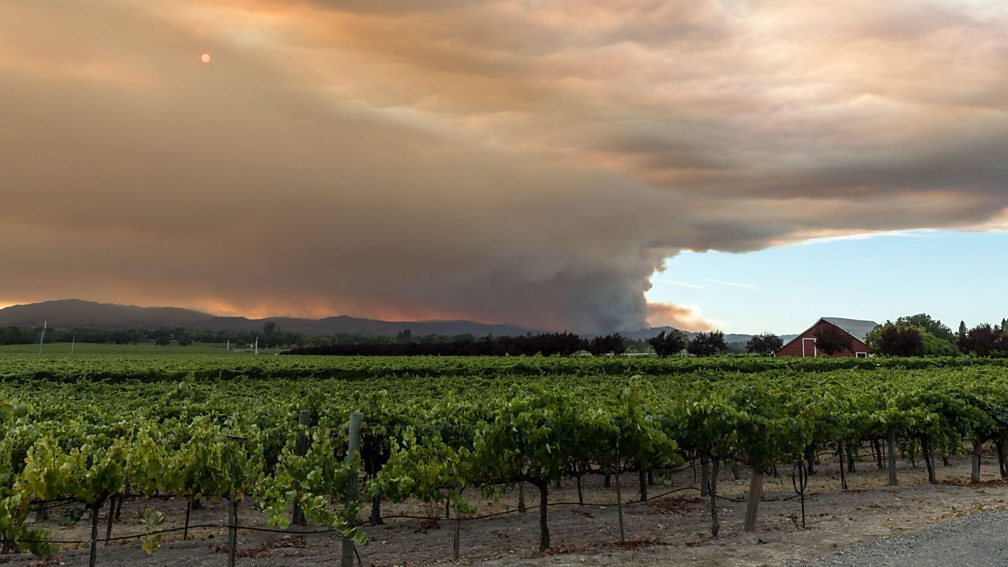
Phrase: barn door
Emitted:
{"points": [[808, 347]]}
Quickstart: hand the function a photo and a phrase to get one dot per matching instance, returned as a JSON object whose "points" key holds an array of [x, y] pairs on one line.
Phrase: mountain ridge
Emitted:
{"points": [[78, 313]]}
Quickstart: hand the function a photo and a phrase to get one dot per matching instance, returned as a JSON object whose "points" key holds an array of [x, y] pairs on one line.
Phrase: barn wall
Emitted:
{"points": [[794, 348]]}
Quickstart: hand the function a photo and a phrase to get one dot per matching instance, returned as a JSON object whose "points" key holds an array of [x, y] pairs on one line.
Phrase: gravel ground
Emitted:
{"points": [[976, 540]]}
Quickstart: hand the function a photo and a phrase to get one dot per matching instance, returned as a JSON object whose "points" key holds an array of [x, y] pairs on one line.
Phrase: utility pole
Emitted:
{"points": [[42, 340]]}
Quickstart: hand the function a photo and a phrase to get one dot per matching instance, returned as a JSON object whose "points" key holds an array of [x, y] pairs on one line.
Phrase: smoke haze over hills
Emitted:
{"points": [[490, 161]]}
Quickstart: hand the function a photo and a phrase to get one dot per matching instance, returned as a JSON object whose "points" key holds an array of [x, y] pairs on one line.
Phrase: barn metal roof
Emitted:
{"points": [[855, 327]]}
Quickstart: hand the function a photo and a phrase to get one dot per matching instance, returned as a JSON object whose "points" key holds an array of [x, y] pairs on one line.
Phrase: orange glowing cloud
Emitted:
{"points": [[683, 317]]}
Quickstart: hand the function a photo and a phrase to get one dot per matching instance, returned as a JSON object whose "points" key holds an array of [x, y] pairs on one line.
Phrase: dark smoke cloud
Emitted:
{"points": [[481, 160]]}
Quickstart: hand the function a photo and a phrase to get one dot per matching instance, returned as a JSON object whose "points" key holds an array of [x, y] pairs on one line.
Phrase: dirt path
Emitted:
{"points": [[976, 540], [670, 530]]}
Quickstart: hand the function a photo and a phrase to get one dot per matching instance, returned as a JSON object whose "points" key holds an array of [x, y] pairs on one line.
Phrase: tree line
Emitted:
{"points": [[268, 337], [912, 335], [922, 335], [546, 344], [666, 343]]}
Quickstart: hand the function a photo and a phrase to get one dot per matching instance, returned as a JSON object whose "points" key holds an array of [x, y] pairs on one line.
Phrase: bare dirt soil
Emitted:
{"points": [[673, 529]]}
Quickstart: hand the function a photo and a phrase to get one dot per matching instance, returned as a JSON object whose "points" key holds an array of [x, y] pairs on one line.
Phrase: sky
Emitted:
{"points": [[952, 276], [544, 163]]}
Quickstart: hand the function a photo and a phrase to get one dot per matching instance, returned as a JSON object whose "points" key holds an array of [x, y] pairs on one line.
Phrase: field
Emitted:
{"points": [[58, 349], [149, 433]]}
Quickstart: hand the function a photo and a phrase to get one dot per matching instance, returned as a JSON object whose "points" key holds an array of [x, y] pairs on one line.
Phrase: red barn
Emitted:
{"points": [[805, 343]]}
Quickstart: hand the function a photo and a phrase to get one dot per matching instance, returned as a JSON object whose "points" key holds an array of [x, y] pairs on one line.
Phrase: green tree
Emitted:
{"points": [[934, 346], [933, 334], [707, 344], [896, 339], [984, 340], [668, 344], [765, 344], [609, 344], [926, 322]]}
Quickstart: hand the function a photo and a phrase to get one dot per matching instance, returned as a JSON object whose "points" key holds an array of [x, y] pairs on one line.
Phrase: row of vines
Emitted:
{"points": [[434, 427]]}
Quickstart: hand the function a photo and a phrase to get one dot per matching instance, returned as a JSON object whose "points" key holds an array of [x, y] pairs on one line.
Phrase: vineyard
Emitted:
{"points": [[275, 435]]}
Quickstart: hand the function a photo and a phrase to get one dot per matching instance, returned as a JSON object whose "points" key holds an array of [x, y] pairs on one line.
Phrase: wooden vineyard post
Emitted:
{"points": [[975, 472], [840, 454], [704, 475], [458, 524], [347, 559], [891, 450], [619, 497], [1002, 453], [712, 492], [755, 495], [233, 504], [232, 528], [301, 449], [758, 465]]}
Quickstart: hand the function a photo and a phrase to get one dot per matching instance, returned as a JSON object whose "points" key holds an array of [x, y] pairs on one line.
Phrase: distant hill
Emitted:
{"points": [[70, 313], [79, 314], [76, 313]]}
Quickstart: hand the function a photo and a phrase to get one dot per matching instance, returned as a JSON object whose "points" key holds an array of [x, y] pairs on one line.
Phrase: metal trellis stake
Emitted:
{"points": [[799, 479]]}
